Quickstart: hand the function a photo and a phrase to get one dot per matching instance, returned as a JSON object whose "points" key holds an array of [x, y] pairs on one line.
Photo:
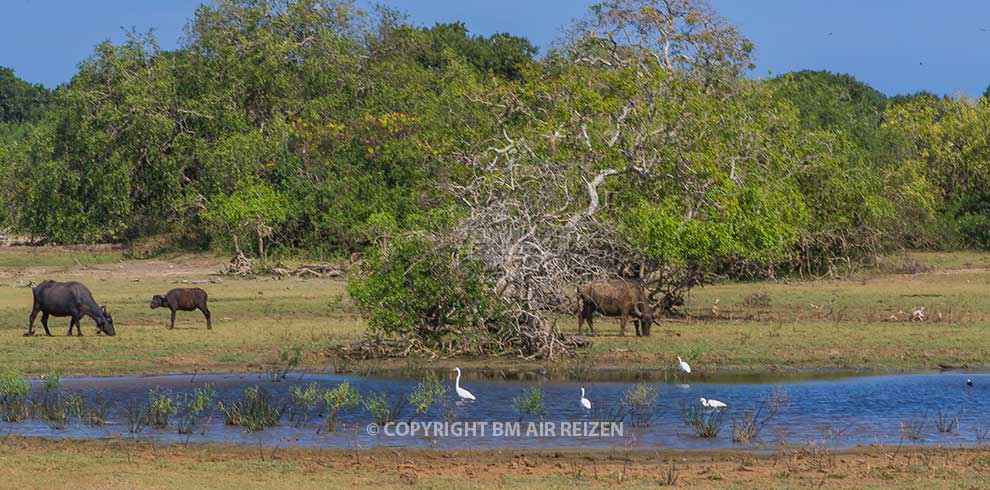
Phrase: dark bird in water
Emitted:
{"points": [[969, 382]]}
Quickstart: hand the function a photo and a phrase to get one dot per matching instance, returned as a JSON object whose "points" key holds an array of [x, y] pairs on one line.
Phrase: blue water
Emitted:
{"points": [[837, 413]]}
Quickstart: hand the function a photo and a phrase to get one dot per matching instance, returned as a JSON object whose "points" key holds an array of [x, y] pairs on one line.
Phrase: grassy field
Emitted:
{"points": [[863, 322], [128, 464]]}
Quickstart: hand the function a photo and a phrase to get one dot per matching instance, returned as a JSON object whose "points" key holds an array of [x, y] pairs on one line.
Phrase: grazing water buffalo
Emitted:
{"points": [[184, 299], [70, 299], [615, 298]]}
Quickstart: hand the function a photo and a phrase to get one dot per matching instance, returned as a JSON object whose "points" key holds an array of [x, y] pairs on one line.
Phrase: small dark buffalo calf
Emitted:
{"points": [[184, 299], [619, 298], [70, 299]]}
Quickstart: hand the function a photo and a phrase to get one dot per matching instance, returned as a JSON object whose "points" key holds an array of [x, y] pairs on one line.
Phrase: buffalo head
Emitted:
{"points": [[105, 323]]}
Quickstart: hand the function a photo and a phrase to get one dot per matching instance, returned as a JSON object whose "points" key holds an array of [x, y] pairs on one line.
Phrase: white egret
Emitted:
{"points": [[586, 403], [714, 404], [461, 392], [683, 365]]}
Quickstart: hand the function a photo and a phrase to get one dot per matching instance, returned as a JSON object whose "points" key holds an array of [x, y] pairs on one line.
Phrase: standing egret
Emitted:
{"points": [[461, 392], [714, 404], [683, 365], [586, 403]]}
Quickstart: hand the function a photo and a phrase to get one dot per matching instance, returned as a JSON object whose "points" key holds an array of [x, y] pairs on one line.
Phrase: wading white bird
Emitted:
{"points": [[683, 365], [586, 403], [461, 392], [715, 404]]}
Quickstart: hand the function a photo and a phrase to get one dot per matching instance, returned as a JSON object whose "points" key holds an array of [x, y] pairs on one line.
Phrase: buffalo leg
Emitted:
{"points": [[172, 326], [72, 323], [580, 316], [44, 323], [622, 325], [636, 324], [589, 315], [34, 314], [206, 313]]}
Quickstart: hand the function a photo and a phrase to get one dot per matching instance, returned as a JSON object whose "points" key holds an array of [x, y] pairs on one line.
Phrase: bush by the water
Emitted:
{"points": [[410, 290]]}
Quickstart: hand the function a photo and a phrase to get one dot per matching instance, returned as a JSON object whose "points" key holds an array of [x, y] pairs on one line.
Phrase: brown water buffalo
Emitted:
{"points": [[619, 298], [184, 299], [70, 299]]}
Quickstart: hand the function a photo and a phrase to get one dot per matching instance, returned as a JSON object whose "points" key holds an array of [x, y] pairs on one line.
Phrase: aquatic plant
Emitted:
{"points": [[639, 404], [747, 425], [161, 407], [95, 413], [530, 403], [194, 407], [426, 394], [137, 417], [58, 408], [340, 398], [284, 362], [982, 435], [14, 390], [705, 422], [302, 403], [912, 430], [606, 411], [946, 422], [384, 408], [255, 411], [51, 382]]}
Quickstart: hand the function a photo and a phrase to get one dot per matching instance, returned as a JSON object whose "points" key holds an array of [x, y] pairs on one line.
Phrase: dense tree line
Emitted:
{"points": [[636, 144]]}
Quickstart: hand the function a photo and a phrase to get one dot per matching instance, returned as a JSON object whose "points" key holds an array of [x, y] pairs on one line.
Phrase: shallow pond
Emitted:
{"points": [[836, 412]]}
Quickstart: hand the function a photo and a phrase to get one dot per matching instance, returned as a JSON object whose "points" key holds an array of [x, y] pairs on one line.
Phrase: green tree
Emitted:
{"points": [[21, 102], [253, 209]]}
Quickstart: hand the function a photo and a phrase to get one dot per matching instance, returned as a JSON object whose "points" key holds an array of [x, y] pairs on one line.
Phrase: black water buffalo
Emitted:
{"points": [[619, 298], [184, 299], [70, 299]]}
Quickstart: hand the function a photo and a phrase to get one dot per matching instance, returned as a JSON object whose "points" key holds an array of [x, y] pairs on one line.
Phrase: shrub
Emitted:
{"points": [[284, 362], [639, 402], [340, 398], [757, 300], [255, 410], [194, 406], [530, 403], [946, 422], [913, 430], [161, 408], [95, 413], [14, 390], [302, 403], [137, 417], [58, 408], [436, 298], [427, 393], [705, 422], [383, 408], [747, 426]]}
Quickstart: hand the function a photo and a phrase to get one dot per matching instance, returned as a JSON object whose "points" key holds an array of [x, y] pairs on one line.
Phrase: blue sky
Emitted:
{"points": [[898, 46]]}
